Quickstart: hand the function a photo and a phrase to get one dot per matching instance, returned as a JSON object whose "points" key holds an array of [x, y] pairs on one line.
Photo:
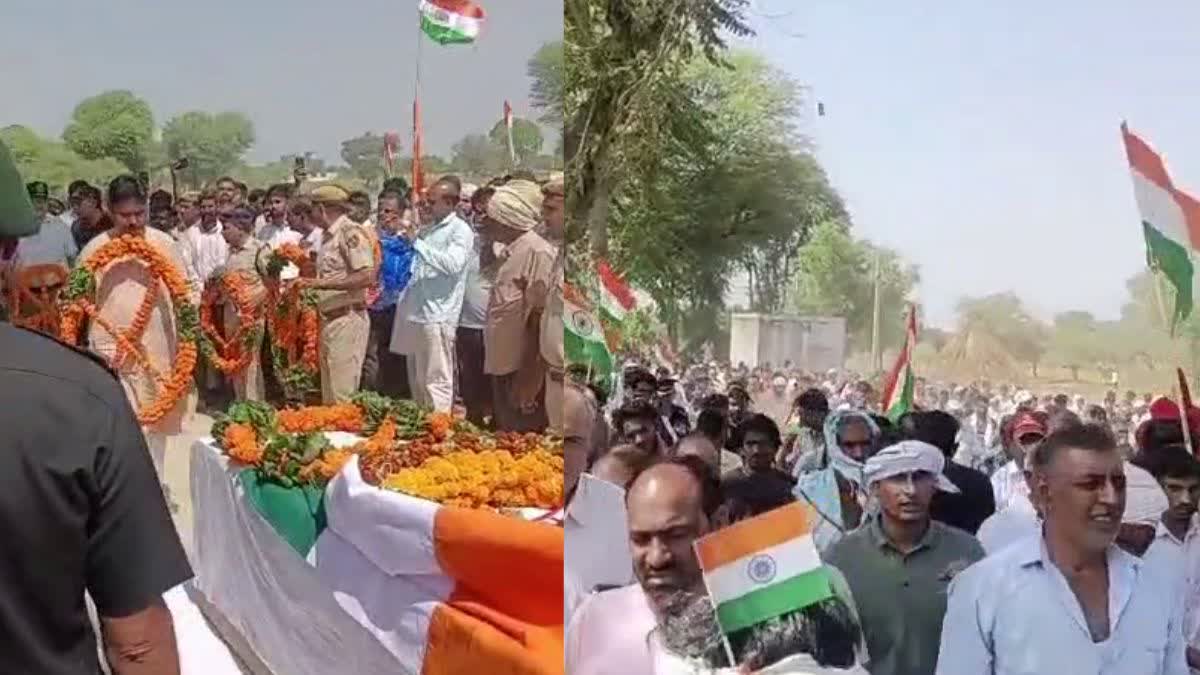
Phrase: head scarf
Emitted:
{"points": [[849, 468], [1145, 500], [908, 457], [517, 204]]}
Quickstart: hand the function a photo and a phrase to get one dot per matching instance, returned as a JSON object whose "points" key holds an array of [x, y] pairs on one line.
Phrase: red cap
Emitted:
{"points": [[1025, 423]]}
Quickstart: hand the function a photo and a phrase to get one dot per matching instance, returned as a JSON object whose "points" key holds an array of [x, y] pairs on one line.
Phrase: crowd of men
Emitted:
{"points": [[984, 531], [449, 297]]}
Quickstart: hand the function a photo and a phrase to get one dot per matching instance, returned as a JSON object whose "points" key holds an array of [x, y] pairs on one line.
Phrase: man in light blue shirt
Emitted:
{"points": [[427, 315], [53, 244], [1067, 600]]}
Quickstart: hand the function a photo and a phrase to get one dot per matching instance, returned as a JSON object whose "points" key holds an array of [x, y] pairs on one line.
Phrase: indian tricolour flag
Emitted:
{"points": [[446, 590], [451, 21], [616, 297], [898, 387], [764, 567], [1170, 221], [583, 337]]}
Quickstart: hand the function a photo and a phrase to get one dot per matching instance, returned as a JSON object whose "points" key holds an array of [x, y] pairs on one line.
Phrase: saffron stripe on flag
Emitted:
{"points": [[768, 602], [772, 565], [749, 536]]}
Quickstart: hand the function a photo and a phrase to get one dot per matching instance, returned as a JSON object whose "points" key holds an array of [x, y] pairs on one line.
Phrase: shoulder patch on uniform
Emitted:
{"points": [[99, 360], [353, 239]]}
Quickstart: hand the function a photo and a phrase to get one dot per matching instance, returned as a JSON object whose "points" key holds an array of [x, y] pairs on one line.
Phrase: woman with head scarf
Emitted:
{"points": [[838, 492]]}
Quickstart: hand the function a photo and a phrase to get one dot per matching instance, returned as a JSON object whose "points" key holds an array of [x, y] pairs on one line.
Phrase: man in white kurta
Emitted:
{"points": [[120, 289]]}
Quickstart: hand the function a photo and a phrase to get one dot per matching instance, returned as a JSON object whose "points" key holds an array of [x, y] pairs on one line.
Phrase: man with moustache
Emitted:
{"points": [[899, 562], [670, 505], [1067, 600]]}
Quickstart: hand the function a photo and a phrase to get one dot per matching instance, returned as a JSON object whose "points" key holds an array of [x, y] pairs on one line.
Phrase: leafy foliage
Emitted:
{"points": [[527, 139], [836, 277], [364, 155], [114, 124], [48, 160], [546, 69], [213, 144], [477, 154]]}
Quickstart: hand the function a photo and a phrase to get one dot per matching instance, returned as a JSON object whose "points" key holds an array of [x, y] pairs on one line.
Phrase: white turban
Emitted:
{"points": [[517, 204], [1145, 500], [908, 457]]}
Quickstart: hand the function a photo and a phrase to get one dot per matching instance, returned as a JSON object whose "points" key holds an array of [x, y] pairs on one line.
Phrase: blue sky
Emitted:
{"points": [[309, 74], [981, 138]]}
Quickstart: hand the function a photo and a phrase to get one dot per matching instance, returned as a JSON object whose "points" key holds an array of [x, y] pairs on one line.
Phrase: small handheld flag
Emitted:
{"points": [[763, 567]]}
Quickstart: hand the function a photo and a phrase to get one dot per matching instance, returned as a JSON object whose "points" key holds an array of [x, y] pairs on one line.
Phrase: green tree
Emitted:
{"points": [[527, 139], [836, 277], [48, 160], [114, 124], [546, 70], [476, 154], [1001, 323], [623, 99], [364, 155], [213, 144]]}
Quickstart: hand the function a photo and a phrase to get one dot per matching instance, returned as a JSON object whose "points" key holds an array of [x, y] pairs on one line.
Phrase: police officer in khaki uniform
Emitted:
{"points": [[345, 269]]}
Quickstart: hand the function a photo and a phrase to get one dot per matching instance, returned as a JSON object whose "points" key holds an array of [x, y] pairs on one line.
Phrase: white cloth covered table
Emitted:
{"points": [[289, 617]]}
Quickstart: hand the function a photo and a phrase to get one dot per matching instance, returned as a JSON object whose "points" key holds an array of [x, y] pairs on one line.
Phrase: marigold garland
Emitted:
{"points": [[79, 303], [234, 354], [292, 323], [241, 443], [309, 419], [491, 478]]}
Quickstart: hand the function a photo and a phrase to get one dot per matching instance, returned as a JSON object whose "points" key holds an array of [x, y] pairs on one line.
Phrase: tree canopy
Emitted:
{"points": [[213, 143], [48, 160], [114, 124], [527, 139], [364, 155], [546, 70]]}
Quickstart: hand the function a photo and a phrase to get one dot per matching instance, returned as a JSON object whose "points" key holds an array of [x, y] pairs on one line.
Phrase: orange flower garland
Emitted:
{"points": [[241, 443], [233, 355], [78, 297], [292, 323], [309, 419]]}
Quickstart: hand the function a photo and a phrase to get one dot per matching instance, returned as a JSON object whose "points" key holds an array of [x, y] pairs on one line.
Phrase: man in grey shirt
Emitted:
{"points": [[900, 561]]}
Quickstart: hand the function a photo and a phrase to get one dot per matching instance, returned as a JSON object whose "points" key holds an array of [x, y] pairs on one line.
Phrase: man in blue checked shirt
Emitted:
{"points": [[384, 371]]}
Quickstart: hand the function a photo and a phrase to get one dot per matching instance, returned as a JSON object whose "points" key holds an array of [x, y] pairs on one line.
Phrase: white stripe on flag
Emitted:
{"points": [[1158, 208], [790, 558]]}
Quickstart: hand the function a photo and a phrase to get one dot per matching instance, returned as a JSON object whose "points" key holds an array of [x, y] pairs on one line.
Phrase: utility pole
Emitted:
{"points": [[876, 356]]}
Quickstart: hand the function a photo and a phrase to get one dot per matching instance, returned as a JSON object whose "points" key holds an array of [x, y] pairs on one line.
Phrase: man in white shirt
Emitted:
{"points": [[1008, 482], [203, 250], [1066, 600], [428, 314], [1176, 545], [271, 227]]}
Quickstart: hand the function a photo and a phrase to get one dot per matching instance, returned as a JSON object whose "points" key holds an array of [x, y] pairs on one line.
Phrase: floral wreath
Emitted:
{"points": [[79, 302], [234, 354], [292, 323], [33, 297]]}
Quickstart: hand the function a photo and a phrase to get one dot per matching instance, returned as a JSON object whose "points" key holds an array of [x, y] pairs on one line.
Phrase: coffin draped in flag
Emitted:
{"points": [[1170, 221], [449, 22], [898, 387], [446, 590]]}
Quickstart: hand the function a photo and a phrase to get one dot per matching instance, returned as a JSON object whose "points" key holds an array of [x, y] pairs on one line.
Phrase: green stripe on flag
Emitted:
{"points": [[1172, 259], [903, 403], [442, 34], [771, 601], [588, 353]]}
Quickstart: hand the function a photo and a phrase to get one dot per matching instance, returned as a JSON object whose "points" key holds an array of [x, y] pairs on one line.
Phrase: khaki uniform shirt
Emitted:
{"points": [[552, 317], [345, 249], [250, 262], [526, 265]]}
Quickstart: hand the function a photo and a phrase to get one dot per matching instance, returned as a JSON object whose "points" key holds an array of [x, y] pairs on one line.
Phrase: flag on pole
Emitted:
{"points": [[391, 141], [508, 126], [418, 181], [583, 338], [448, 22], [898, 387], [763, 567], [1170, 222], [616, 298]]}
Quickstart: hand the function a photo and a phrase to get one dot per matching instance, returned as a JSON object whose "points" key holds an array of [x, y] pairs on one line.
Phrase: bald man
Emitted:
{"points": [[670, 505], [698, 445]]}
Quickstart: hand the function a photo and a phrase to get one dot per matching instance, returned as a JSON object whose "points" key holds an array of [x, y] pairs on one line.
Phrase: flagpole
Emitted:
{"points": [[416, 160], [724, 637]]}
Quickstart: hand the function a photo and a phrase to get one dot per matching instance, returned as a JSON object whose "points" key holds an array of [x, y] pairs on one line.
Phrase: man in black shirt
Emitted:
{"points": [[975, 501], [80, 509]]}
